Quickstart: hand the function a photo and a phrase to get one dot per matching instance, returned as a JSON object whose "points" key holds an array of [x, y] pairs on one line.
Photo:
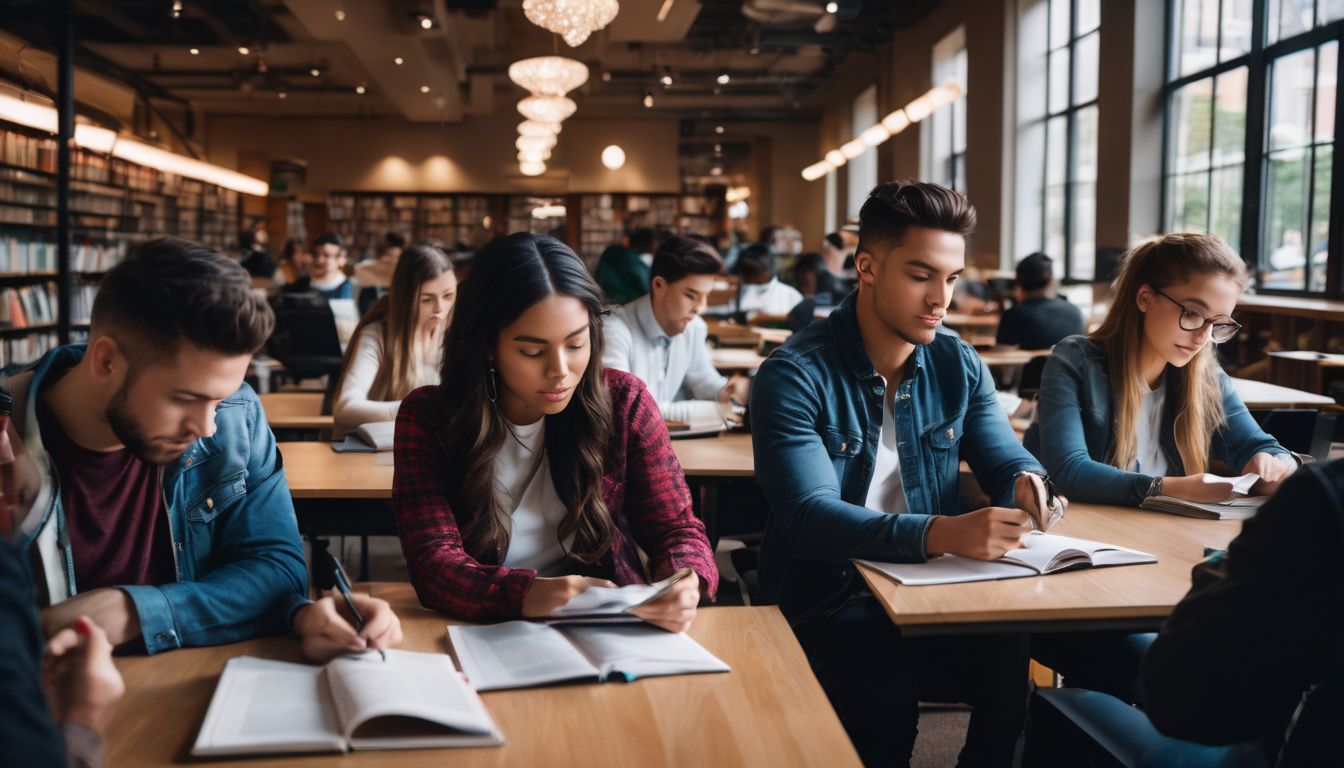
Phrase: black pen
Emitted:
{"points": [[343, 585]]}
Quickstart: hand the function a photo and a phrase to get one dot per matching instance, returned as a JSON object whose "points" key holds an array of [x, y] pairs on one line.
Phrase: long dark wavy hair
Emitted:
{"points": [[512, 273]]}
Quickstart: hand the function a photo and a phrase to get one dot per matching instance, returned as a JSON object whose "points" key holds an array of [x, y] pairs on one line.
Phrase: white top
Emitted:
{"points": [[677, 369], [772, 298], [351, 406], [1150, 460], [886, 491], [528, 505]]}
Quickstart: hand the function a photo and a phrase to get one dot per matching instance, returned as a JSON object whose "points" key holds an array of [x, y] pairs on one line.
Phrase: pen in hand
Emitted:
{"points": [[343, 586]]}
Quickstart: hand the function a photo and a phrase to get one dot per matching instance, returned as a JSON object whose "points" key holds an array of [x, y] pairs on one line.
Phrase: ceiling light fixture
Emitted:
{"points": [[532, 167], [648, 99], [917, 109], [547, 109], [537, 128], [425, 21], [613, 157], [533, 155], [832, 7], [718, 129], [532, 144], [424, 89], [194, 51], [176, 10], [666, 79], [853, 148], [282, 95], [664, 10], [573, 20], [244, 50], [315, 72], [722, 79], [359, 89], [398, 61], [340, 14], [548, 75]]}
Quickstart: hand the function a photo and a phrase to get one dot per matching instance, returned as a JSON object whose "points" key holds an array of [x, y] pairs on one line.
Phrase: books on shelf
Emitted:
{"points": [[27, 348], [28, 305], [1040, 554], [403, 700], [21, 254]]}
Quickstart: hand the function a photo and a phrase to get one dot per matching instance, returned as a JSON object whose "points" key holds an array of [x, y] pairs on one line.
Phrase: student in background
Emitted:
{"points": [[531, 474], [1141, 408], [398, 344], [326, 272], [661, 337], [256, 255], [759, 291], [173, 525], [859, 424], [642, 242], [1039, 319], [293, 266], [622, 274], [375, 275]]}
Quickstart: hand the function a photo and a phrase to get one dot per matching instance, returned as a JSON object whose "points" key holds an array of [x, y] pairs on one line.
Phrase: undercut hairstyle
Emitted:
{"points": [[895, 206], [171, 290], [680, 256], [1035, 272], [642, 240], [328, 238]]}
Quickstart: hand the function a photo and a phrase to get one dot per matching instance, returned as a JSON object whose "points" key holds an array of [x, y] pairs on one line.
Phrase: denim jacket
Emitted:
{"points": [[237, 552], [1075, 412], [816, 409]]}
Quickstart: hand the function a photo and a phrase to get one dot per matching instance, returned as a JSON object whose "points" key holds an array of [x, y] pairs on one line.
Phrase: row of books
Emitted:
{"points": [[26, 349], [27, 151], [28, 305]]}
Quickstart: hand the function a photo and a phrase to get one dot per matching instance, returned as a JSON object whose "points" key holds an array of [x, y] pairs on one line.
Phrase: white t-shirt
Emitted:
{"points": [[528, 505], [886, 491], [1150, 460], [772, 298]]}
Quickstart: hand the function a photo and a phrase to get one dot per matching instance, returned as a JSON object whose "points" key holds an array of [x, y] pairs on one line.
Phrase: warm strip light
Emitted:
{"points": [[919, 108], [853, 148], [817, 170], [874, 135], [96, 139], [666, 9], [835, 158], [896, 122]]}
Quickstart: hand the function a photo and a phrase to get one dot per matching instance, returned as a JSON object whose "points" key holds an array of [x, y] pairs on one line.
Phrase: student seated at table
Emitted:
{"points": [[293, 266], [622, 274], [1141, 408], [374, 275], [1040, 319], [326, 270], [859, 425], [530, 473], [660, 337], [397, 345], [165, 516], [759, 291]]}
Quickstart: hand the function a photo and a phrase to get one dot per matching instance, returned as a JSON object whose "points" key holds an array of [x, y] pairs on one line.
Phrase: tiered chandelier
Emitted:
{"points": [[573, 20], [548, 78]]}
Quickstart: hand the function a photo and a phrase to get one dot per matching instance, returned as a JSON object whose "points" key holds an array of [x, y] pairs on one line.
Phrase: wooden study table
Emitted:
{"points": [[1260, 396], [1130, 597], [768, 711], [1311, 371], [1002, 358], [295, 411], [736, 359]]}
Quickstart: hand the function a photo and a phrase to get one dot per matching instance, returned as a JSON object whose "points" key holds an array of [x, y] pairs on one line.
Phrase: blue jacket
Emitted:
{"points": [[816, 413], [237, 551], [1075, 411]]}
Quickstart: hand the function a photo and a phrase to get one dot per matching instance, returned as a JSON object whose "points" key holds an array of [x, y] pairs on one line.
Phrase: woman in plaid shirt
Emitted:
{"points": [[531, 473]]}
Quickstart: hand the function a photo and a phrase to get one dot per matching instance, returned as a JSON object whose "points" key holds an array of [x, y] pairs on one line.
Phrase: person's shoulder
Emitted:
{"points": [[623, 387], [421, 401], [1078, 348]]}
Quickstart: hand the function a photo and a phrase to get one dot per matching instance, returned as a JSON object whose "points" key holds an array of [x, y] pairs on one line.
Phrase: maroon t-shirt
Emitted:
{"points": [[114, 512]]}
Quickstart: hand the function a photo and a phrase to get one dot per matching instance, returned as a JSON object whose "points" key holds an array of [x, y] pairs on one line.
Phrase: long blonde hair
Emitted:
{"points": [[397, 312], [1193, 392]]}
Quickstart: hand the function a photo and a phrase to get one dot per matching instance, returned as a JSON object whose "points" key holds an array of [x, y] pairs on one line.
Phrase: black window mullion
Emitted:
{"points": [[1257, 112], [1213, 139], [1070, 140], [1334, 286], [1310, 175]]}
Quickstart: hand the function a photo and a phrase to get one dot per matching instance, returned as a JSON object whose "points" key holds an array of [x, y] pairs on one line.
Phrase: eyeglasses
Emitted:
{"points": [[1224, 327]]}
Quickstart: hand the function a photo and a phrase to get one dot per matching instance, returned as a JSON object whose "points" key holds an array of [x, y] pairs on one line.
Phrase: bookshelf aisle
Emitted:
{"points": [[362, 219], [114, 204]]}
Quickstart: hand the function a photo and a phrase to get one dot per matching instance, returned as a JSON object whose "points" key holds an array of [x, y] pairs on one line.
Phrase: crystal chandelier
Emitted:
{"points": [[574, 20], [532, 144], [532, 168], [548, 75], [546, 109], [536, 128]]}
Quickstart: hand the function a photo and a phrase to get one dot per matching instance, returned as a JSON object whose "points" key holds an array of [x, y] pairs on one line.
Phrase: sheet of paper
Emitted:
{"points": [[611, 600], [517, 654], [275, 706], [949, 569], [641, 650]]}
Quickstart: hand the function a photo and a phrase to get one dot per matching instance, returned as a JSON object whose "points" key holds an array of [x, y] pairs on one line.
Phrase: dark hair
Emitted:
{"points": [[396, 311], [1035, 272], [169, 290], [512, 274], [895, 206], [808, 262], [835, 240], [680, 256], [393, 240], [328, 238], [642, 239], [291, 245], [756, 260], [768, 234]]}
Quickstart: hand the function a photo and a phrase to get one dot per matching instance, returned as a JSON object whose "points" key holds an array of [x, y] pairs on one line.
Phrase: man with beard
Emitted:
{"points": [[859, 426], [165, 517]]}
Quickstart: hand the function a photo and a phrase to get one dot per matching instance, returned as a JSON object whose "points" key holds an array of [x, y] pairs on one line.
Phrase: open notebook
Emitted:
{"points": [[374, 436], [522, 654], [1235, 508], [408, 701], [1040, 553], [611, 604]]}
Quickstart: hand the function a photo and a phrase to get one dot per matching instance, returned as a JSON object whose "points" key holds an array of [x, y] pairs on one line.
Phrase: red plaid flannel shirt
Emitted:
{"points": [[643, 486]]}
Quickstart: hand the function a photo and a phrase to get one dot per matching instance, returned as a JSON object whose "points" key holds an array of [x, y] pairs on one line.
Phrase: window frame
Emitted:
{"points": [[1070, 115]]}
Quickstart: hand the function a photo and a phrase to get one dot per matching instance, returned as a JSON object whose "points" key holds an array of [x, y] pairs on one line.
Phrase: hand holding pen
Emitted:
{"points": [[359, 623]]}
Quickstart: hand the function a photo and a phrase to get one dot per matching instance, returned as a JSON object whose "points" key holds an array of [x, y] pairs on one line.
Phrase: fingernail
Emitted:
{"points": [[82, 626]]}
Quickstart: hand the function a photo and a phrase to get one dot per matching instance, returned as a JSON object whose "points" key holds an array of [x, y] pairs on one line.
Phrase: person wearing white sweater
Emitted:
{"points": [[398, 344]]}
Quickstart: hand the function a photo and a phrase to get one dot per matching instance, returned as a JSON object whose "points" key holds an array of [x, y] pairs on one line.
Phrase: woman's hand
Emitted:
{"points": [[1271, 470], [676, 610], [549, 594]]}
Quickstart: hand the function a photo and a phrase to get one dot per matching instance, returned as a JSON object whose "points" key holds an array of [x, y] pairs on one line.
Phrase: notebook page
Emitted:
{"points": [[641, 650], [949, 569], [262, 705], [1048, 552], [517, 654], [423, 685]]}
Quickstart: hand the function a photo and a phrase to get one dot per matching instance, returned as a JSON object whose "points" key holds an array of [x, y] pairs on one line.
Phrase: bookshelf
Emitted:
{"points": [[114, 204], [362, 219]]}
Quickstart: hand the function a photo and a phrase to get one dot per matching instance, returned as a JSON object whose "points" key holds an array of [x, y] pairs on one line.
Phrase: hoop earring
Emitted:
{"points": [[491, 390]]}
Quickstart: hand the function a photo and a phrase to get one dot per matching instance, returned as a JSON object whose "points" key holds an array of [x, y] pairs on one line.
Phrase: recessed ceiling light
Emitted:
{"points": [[424, 89], [426, 22], [666, 80], [832, 7], [340, 15], [718, 129], [315, 72], [716, 171], [722, 79], [398, 61], [282, 95], [244, 50], [648, 100], [176, 11], [195, 51], [359, 89], [606, 77]]}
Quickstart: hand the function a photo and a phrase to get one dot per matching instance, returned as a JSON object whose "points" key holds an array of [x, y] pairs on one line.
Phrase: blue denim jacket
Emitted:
{"points": [[816, 418], [1075, 412], [237, 551]]}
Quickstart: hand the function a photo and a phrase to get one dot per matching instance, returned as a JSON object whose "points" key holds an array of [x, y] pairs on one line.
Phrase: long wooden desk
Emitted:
{"points": [[1134, 597], [998, 358], [736, 359], [1260, 396], [768, 711], [295, 410]]}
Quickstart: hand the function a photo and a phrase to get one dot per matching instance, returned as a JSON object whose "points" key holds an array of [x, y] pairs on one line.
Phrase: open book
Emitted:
{"points": [[408, 701], [374, 436], [612, 604], [522, 654], [1040, 553], [1235, 508]]}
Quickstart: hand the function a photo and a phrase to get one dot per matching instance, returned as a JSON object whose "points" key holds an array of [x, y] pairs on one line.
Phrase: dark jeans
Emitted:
{"points": [[875, 679], [1099, 661]]}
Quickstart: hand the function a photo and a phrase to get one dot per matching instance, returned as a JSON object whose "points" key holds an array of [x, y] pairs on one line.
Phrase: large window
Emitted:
{"points": [[1251, 131], [862, 170], [1056, 168], [945, 149]]}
